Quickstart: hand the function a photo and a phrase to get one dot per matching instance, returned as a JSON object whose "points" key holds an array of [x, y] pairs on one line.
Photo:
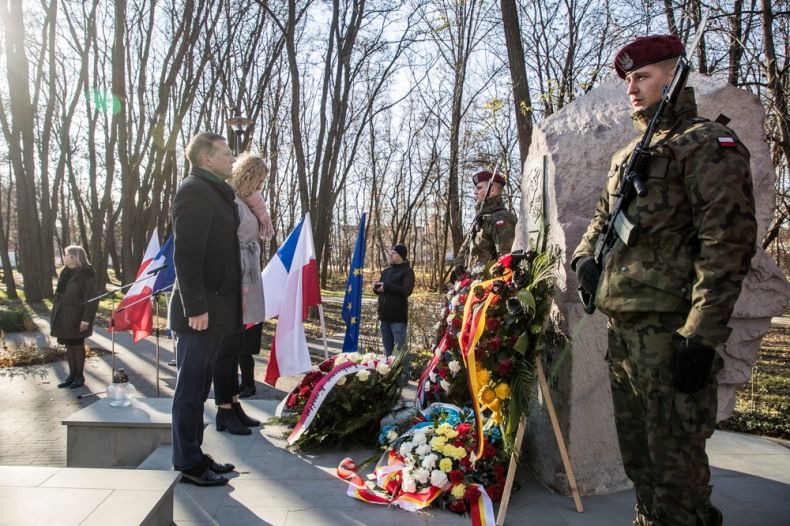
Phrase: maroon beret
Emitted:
{"points": [[647, 50], [485, 175]]}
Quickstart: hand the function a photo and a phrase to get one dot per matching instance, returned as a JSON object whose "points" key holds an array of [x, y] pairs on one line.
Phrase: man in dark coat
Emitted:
{"points": [[205, 310], [393, 289]]}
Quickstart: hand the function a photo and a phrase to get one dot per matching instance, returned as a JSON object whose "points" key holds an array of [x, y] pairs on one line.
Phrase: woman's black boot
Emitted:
{"points": [[70, 357], [79, 366], [247, 421], [228, 419]]}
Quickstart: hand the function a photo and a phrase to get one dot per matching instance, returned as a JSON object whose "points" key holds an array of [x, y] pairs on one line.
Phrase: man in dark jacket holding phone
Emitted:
{"points": [[393, 289]]}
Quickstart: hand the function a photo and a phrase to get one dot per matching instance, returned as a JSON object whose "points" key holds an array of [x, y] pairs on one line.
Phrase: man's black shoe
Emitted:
{"points": [[200, 475], [211, 464]]}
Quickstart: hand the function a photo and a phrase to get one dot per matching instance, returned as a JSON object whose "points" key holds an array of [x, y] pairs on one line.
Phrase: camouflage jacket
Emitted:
{"points": [[492, 236], [697, 225]]}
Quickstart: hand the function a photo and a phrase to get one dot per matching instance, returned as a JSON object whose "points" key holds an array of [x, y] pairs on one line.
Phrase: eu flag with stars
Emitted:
{"points": [[352, 301]]}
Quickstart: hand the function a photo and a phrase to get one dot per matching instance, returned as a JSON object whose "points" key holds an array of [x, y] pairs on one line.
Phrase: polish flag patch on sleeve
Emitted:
{"points": [[726, 142], [500, 223]]}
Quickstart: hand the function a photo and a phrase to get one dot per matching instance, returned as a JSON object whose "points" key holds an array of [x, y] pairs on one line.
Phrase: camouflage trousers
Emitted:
{"points": [[661, 432]]}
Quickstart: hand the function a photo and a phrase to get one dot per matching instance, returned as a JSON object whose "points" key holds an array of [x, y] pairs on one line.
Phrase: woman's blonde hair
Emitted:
{"points": [[79, 253], [249, 171]]}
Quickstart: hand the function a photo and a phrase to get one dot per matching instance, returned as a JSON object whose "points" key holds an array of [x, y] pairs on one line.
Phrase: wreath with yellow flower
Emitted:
{"points": [[495, 328]]}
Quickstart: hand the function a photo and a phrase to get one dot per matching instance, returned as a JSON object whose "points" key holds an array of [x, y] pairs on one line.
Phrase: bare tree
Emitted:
{"points": [[518, 76], [778, 84], [21, 149], [8, 275]]}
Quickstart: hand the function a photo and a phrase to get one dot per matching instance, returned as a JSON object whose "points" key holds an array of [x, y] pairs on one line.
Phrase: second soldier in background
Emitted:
{"points": [[494, 230]]}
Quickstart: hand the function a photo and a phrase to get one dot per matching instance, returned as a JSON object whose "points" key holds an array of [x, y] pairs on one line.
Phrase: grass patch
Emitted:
{"points": [[762, 406], [16, 317], [13, 355]]}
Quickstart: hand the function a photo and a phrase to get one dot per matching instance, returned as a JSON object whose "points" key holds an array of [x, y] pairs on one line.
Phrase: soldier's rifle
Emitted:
{"points": [[632, 184]]}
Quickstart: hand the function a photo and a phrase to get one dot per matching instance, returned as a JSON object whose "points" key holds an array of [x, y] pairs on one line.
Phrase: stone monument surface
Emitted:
{"points": [[561, 182]]}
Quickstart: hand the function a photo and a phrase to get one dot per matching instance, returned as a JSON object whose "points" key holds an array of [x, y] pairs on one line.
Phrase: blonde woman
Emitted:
{"points": [[72, 319], [249, 173]]}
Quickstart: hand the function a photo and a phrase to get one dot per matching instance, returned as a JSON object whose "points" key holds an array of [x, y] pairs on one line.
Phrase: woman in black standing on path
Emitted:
{"points": [[72, 319]]}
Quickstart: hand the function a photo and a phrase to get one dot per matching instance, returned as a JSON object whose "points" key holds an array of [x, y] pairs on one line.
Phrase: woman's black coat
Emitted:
{"points": [[68, 309]]}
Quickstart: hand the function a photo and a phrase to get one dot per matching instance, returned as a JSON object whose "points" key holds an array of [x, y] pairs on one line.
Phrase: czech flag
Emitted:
{"points": [[135, 312], [290, 287]]}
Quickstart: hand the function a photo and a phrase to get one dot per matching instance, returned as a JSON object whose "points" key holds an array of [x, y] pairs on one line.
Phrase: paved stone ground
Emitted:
{"points": [[750, 475], [32, 434]]}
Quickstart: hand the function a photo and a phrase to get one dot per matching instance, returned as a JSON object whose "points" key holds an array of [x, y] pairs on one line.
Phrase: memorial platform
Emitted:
{"points": [[272, 486], [84, 496], [102, 436]]}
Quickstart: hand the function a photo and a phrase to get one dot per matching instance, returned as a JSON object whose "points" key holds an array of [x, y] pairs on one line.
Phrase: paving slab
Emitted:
{"points": [[279, 487], [751, 476], [38, 495]]}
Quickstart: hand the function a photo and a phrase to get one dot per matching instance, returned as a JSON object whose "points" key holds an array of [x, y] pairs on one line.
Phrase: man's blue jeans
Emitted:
{"points": [[393, 334]]}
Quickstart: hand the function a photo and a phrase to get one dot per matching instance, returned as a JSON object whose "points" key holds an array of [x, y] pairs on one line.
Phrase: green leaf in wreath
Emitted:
{"points": [[522, 344], [528, 300]]}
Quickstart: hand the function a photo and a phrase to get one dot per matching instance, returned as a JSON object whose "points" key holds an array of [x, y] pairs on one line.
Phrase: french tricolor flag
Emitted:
{"points": [[290, 287], [135, 312]]}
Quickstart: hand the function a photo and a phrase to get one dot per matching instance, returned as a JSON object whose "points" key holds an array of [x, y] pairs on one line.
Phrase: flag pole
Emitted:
{"points": [[174, 361], [323, 330], [156, 332], [112, 341]]}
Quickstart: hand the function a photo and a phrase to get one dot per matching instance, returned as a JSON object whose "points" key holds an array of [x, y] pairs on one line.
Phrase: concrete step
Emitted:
{"points": [[85, 496], [102, 436], [160, 459]]}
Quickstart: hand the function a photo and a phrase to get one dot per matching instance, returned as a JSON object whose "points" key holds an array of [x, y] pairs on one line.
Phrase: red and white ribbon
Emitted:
{"points": [[320, 392], [387, 489]]}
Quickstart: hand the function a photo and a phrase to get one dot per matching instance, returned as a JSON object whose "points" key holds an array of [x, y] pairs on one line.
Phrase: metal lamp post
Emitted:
{"points": [[239, 125]]}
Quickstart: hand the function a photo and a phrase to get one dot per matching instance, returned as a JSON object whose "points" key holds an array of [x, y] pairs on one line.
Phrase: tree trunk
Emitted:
{"points": [[702, 54], [669, 12], [778, 105], [21, 150], [518, 76], [120, 128], [777, 81], [736, 44], [8, 271], [296, 110]]}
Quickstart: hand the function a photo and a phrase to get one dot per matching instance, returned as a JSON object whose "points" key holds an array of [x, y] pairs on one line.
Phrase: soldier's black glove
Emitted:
{"points": [[691, 364], [588, 274]]}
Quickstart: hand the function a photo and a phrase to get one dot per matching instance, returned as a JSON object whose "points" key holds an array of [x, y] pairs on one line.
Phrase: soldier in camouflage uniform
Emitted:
{"points": [[670, 297], [493, 233]]}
